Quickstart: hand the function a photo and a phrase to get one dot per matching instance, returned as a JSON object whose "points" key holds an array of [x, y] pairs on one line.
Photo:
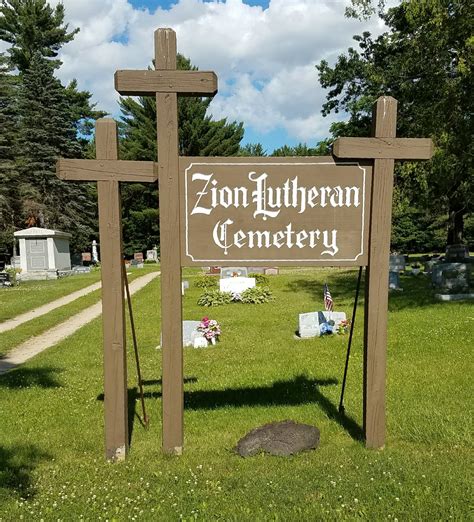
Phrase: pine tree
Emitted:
{"points": [[46, 132], [198, 135], [33, 26], [9, 200]]}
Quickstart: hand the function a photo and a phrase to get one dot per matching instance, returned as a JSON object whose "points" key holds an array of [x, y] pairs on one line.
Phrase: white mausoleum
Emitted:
{"points": [[43, 252]]}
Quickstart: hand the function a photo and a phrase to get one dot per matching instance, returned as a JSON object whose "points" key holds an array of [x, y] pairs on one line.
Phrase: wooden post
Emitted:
{"points": [[170, 254], [113, 305], [107, 170], [376, 301]]}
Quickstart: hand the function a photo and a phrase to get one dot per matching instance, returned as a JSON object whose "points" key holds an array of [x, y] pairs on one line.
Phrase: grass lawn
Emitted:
{"points": [[51, 450], [31, 294], [12, 338]]}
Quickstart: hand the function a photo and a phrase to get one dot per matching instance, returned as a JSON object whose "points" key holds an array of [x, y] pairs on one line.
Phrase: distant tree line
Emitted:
{"points": [[424, 60]]}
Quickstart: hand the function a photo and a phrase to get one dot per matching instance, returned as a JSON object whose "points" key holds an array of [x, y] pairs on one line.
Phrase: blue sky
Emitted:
{"points": [[264, 53], [166, 4]]}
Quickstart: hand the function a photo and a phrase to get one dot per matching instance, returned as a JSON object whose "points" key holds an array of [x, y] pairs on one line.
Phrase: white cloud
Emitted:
{"points": [[265, 59]]}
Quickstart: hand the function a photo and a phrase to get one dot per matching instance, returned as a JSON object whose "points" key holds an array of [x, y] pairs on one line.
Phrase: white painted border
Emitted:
{"points": [[333, 164]]}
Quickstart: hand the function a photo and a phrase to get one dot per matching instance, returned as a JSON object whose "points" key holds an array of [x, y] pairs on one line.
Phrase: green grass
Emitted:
{"points": [[51, 451], [31, 294], [12, 338]]}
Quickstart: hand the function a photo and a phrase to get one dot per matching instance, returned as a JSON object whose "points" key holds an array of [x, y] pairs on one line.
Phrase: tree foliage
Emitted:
{"points": [[33, 26], [41, 120], [424, 60]]}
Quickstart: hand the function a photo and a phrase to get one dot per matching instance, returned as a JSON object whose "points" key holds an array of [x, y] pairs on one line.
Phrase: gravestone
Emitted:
{"points": [[229, 271], [152, 255], [394, 280], [86, 257], [397, 263], [184, 286], [271, 271], [309, 325], [138, 256], [457, 253], [453, 281], [190, 332], [95, 254], [236, 285], [256, 269]]}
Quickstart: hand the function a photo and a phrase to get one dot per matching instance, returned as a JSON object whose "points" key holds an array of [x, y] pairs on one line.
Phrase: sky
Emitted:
{"points": [[264, 53]]}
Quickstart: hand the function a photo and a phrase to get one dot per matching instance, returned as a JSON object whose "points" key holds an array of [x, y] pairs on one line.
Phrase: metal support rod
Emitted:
{"points": [[341, 402], [135, 345]]}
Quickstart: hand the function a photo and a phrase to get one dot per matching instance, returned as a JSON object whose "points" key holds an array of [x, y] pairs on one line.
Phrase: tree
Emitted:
{"points": [[9, 200], [47, 131], [198, 135], [252, 149], [33, 26], [321, 149], [425, 62]]}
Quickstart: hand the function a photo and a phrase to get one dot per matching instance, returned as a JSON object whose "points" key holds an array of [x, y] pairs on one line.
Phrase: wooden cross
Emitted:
{"points": [[166, 83], [383, 148], [107, 170]]}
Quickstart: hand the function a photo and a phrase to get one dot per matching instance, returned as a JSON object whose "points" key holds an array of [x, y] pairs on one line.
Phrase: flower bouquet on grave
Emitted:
{"points": [[343, 327], [210, 329]]}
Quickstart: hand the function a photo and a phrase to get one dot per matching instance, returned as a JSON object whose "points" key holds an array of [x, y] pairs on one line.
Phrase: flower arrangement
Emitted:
{"points": [[210, 328], [343, 327]]}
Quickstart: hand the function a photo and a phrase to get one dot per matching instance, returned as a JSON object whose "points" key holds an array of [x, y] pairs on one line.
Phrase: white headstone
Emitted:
{"points": [[309, 325], [95, 254], [236, 284]]}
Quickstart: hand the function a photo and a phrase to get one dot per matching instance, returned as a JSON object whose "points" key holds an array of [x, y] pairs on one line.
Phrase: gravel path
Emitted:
{"points": [[37, 344], [48, 307]]}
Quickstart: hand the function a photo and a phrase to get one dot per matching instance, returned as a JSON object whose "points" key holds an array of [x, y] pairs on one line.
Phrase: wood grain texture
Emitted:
{"points": [[190, 83], [376, 303], [384, 148], [170, 253], [113, 306], [107, 170]]}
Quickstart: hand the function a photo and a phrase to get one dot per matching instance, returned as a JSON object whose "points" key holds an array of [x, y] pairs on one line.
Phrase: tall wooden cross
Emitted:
{"points": [[166, 83], [383, 148], [108, 171]]}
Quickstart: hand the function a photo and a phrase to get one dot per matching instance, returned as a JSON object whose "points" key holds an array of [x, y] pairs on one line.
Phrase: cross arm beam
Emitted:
{"points": [[188, 83], [384, 148], [107, 170]]}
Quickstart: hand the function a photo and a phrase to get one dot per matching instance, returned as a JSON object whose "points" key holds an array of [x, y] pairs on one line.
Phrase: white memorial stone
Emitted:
{"points": [[236, 284], [309, 325]]}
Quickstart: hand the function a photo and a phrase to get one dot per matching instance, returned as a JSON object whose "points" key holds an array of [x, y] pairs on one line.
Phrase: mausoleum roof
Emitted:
{"points": [[41, 232]]}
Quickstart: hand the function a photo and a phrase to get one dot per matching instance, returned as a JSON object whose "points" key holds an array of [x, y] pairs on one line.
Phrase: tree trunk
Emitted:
{"points": [[455, 225]]}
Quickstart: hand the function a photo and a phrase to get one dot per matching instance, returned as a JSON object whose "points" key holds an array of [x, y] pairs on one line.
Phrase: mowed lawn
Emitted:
{"points": [[30, 295], [52, 440]]}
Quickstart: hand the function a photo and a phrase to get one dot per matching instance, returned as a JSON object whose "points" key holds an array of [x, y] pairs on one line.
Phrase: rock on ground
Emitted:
{"points": [[279, 438]]}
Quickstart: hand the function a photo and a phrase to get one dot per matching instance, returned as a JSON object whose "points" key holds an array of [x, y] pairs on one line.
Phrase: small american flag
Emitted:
{"points": [[328, 304]]}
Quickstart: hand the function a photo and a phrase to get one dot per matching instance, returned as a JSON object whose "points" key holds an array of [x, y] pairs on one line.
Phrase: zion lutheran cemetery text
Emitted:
{"points": [[302, 206]]}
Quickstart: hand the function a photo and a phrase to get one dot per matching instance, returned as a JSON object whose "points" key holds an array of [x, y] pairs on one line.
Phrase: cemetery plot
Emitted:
{"points": [[283, 210]]}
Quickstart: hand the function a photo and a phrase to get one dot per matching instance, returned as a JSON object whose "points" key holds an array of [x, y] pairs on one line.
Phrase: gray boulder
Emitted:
{"points": [[279, 438]]}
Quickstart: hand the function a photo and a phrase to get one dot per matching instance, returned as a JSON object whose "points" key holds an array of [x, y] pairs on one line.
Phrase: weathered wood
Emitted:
{"points": [[190, 83], [113, 306], [324, 221], [107, 170], [376, 303], [380, 148], [170, 253]]}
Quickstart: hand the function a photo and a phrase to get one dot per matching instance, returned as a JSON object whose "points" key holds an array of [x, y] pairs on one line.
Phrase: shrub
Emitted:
{"points": [[206, 281], [257, 295], [261, 279], [214, 298]]}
